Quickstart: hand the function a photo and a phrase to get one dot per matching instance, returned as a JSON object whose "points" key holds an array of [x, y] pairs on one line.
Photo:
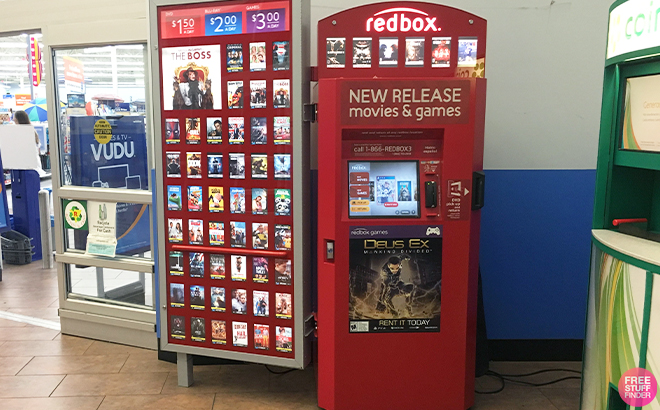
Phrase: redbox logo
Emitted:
{"points": [[400, 22]]}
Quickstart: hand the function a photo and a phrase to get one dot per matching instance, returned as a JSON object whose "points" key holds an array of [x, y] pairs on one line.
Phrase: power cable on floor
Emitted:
{"points": [[508, 378], [274, 372]]}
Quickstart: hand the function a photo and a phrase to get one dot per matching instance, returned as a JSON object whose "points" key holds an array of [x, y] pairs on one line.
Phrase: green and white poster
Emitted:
{"points": [[75, 214], [102, 239]]}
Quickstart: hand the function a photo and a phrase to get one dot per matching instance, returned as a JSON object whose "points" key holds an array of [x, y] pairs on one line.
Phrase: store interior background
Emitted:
{"points": [[544, 65]]}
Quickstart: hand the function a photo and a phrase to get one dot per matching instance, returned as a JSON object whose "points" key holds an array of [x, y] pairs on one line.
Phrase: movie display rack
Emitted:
{"points": [[232, 261]]}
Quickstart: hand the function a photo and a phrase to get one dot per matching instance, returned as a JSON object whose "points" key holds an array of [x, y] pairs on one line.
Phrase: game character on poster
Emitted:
{"points": [[237, 232], [214, 130], [196, 264], [217, 266], [335, 52], [388, 52], [259, 201], [188, 75], [261, 337], [197, 297], [258, 131], [176, 295], [282, 272], [260, 269], [237, 200], [178, 327], [173, 164], [198, 329], [239, 301], [236, 130], [217, 233], [283, 339], [193, 134], [176, 263], [219, 332], [281, 130], [283, 305], [174, 197], [172, 131], [281, 94], [259, 166], [214, 165], [385, 189], [362, 52], [195, 232], [216, 199], [240, 334], [218, 299], [175, 230], [235, 94], [404, 191], [260, 303], [258, 94], [234, 58], [282, 202], [283, 237], [238, 270], [237, 166], [282, 165], [258, 56], [280, 55], [195, 198], [441, 52], [194, 164], [259, 235], [414, 51], [467, 51]]}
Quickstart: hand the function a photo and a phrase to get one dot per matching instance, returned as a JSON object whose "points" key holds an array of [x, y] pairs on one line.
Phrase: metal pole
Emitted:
{"points": [[46, 235]]}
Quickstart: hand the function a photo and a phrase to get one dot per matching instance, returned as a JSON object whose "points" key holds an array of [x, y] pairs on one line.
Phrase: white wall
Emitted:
{"points": [[544, 65]]}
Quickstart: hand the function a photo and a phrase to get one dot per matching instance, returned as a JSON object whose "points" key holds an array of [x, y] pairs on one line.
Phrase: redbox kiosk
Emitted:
{"points": [[401, 127]]}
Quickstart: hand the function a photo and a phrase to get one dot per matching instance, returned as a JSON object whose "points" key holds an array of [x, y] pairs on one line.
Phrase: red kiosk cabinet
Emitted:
{"points": [[401, 125]]}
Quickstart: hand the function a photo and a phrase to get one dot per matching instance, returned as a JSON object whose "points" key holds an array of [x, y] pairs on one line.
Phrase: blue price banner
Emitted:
{"points": [[224, 23]]}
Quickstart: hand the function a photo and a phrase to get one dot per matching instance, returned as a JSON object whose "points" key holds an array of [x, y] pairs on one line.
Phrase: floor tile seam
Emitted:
{"points": [[101, 403], [21, 369], [58, 385]]}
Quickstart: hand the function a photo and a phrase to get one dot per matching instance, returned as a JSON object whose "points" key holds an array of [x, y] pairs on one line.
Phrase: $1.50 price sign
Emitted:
{"points": [[183, 26], [260, 21]]}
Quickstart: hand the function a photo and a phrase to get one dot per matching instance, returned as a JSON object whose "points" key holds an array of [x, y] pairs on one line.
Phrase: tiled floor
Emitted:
{"points": [[42, 369]]}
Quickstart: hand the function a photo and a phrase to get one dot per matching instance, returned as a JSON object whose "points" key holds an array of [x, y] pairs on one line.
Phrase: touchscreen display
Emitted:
{"points": [[384, 189]]}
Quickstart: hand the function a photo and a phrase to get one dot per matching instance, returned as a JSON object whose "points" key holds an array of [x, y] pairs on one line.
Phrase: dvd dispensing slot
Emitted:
{"points": [[232, 251]]}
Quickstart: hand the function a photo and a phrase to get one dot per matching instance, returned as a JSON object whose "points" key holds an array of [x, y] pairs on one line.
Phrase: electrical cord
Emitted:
{"points": [[274, 372], [507, 378]]}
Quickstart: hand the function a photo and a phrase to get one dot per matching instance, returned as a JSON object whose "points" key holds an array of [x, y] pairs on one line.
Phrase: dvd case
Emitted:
{"points": [[217, 266]]}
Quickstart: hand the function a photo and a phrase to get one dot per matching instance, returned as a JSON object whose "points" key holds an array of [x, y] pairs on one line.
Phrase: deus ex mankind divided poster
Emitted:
{"points": [[395, 275]]}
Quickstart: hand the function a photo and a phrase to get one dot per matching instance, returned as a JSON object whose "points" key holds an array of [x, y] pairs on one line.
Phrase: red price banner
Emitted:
{"points": [[178, 26]]}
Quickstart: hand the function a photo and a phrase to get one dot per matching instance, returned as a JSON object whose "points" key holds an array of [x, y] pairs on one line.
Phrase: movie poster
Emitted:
{"points": [[261, 337], [414, 51], [283, 308], [217, 266], [214, 130], [196, 260], [282, 202], [258, 56], [194, 198], [281, 53], [189, 74], [173, 169], [404, 191], [193, 134], [441, 52], [467, 51], [178, 327], [234, 58], [394, 279], [238, 269], [282, 272], [237, 166], [198, 329], [197, 297], [217, 233], [176, 263], [335, 51], [175, 230], [283, 339], [260, 303], [283, 237], [259, 201], [282, 165], [237, 200], [172, 131], [281, 130], [362, 52], [194, 164], [218, 299], [234, 94], [259, 269], [281, 94], [216, 199], [259, 235], [388, 52], [236, 130], [258, 131], [240, 334], [174, 197], [258, 94], [259, 166], [214, 165], [237, 234], [239, 301], [177, 295], [219, 332], [195, 232]]}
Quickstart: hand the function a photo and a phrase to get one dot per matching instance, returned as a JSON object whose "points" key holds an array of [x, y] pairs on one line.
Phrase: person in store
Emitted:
{"points": [[22, 118]]}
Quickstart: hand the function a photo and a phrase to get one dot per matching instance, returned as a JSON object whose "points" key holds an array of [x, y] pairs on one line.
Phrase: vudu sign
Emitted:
{"points": [[114, 159]]}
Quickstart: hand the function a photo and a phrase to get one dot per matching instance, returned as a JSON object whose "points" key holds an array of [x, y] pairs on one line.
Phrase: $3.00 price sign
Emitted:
{"points": [[259, 21]]}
